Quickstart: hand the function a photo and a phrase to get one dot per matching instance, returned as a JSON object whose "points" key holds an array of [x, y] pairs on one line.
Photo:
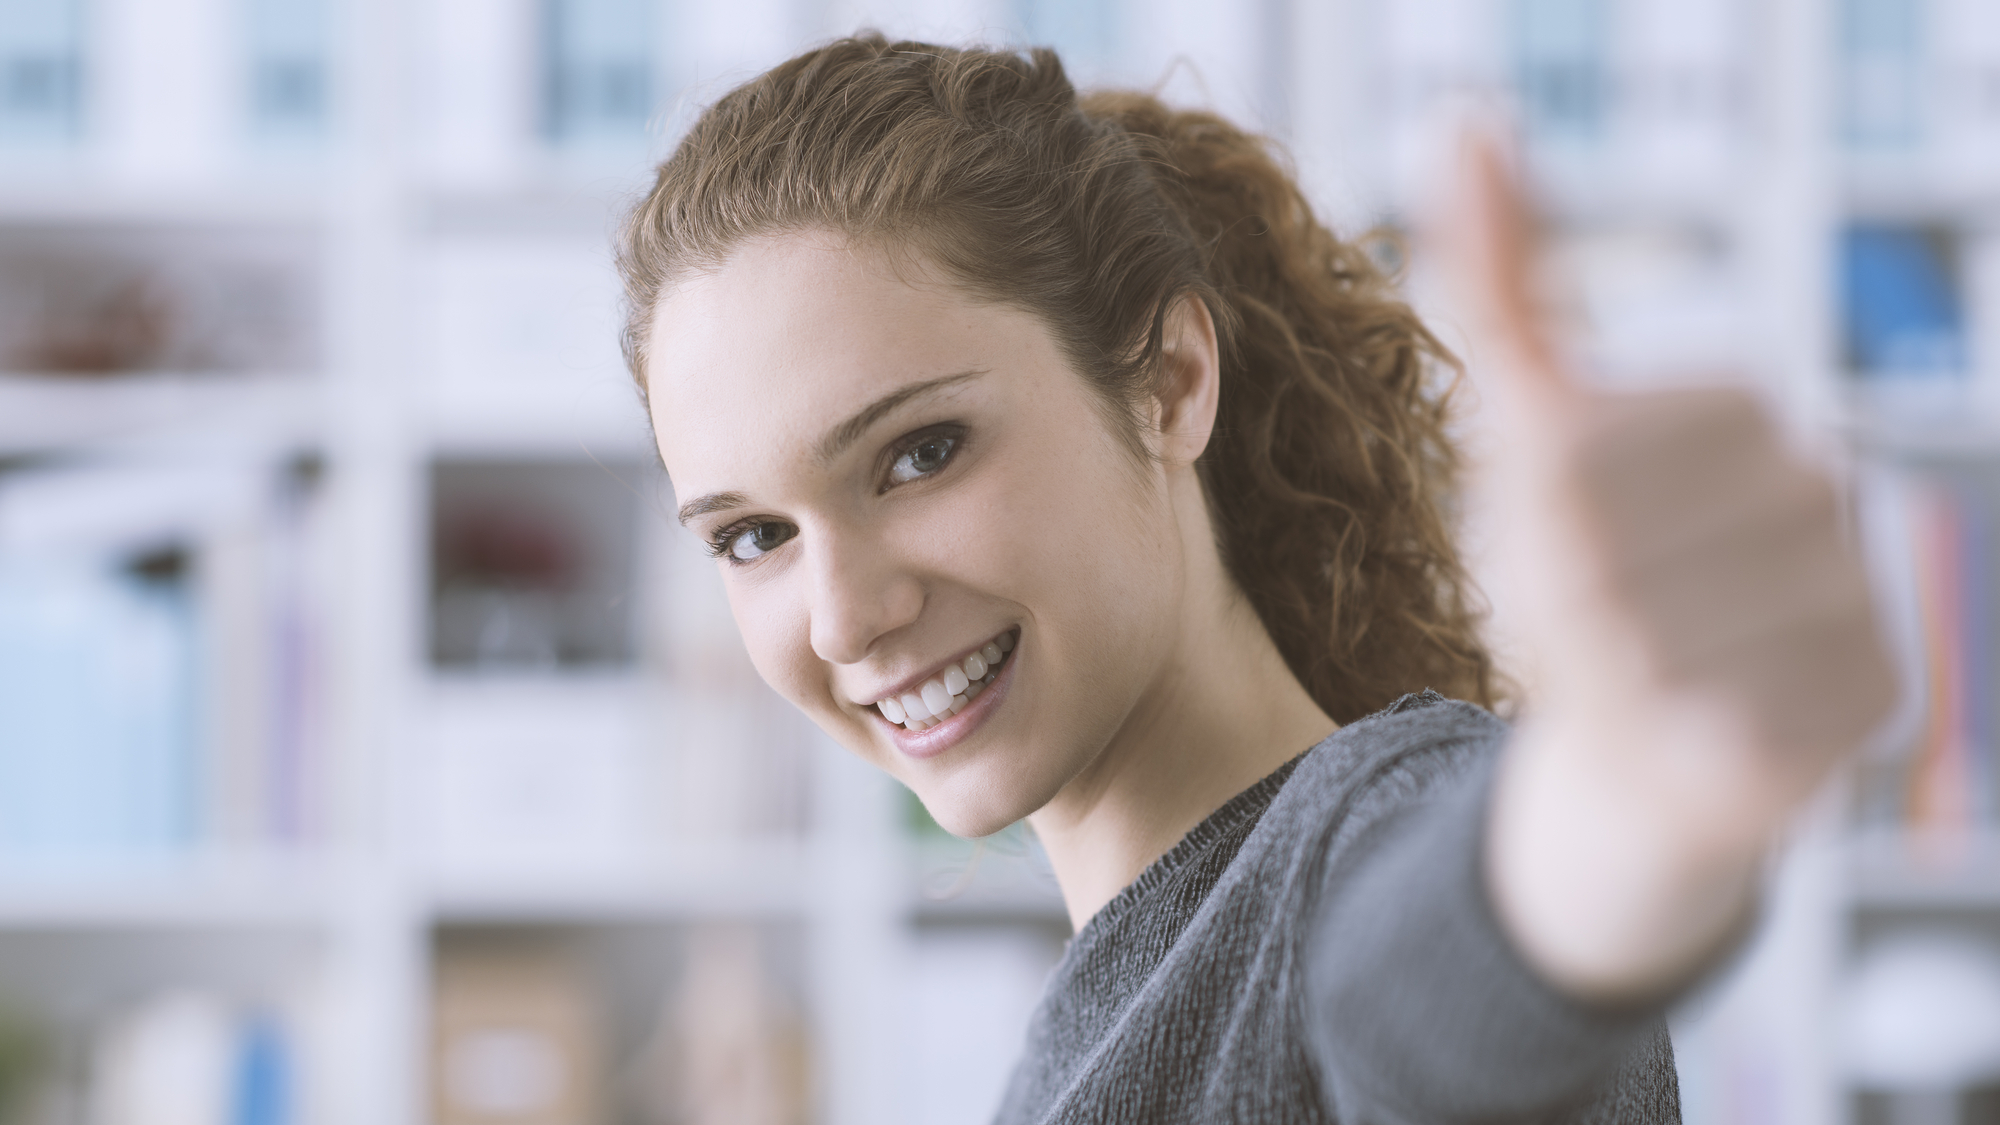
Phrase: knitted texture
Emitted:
{"points": [[1321, 949]]}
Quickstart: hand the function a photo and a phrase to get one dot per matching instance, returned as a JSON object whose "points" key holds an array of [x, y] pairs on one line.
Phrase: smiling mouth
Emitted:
{"points": [[950, 691]]}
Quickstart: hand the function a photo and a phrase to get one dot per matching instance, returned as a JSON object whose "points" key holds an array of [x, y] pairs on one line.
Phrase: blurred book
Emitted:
{"points": [[159, 663], [288, 44], [191, 1058], [1644, 97], [41, 71], [1881, 72], [600, 80], [99, 711], [1087, 34], [1943, 783], [515, 1037], [1562, 69], [730, 1048], [1902, 305]]}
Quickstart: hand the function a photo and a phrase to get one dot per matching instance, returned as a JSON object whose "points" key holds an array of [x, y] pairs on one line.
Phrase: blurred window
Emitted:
{"points": [[287, 42], [598, 70], [41, 63]]}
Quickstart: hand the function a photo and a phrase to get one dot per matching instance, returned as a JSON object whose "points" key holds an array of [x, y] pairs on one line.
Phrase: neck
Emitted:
{"points": [[1224, 713]]}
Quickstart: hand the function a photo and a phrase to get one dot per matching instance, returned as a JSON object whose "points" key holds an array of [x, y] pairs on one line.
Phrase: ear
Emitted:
{"points": [[1190, 381]]}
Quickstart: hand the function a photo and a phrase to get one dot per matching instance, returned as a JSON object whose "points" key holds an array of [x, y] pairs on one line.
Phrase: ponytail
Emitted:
{"points": [[1330, 463], [1330, 457]]}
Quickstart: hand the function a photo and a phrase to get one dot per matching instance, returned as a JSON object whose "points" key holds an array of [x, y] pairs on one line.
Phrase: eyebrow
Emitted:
{"points": [[847, 433], [837, 440], [713, 502]]}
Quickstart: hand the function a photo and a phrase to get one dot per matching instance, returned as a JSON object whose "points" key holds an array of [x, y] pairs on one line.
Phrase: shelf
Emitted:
{"points": [[1912, 187], [1955, 440], [1898, 871], [596, 415], [72, 192], [218, 892], [733, 880], [44, 414]]}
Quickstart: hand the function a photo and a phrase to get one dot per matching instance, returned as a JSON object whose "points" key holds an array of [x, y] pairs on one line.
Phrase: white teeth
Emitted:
{"points": [[949, 693], [936, 699]]}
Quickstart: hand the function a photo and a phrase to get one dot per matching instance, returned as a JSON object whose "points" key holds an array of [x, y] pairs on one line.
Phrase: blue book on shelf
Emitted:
{"points": [[98, 708], [1083, 32], [599, 80], [41, 70], [1899, 296], [263, 1093], [1561, 68], [1881, 72], [288, 45]]}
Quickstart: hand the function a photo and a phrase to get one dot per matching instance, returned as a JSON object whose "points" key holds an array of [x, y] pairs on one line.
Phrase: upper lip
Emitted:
{"points": [[912, 683]]}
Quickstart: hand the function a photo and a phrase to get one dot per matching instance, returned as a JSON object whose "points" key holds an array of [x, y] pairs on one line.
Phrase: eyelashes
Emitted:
{"points": [[749, 540], [914, 456]]}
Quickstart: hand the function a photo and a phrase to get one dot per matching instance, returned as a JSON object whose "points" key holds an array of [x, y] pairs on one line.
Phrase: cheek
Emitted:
{"points": [[778, 635], [1070, 531]]}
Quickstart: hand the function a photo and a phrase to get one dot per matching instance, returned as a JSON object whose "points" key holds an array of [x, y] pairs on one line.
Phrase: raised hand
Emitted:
{"points": [[1704, 645]]}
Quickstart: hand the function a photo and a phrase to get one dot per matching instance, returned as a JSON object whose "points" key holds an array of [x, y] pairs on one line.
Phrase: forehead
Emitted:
{"points": [[788, 337]]}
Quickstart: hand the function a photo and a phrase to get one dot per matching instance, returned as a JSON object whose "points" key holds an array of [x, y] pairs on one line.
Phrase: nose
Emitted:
{"points": [[859, 595]]}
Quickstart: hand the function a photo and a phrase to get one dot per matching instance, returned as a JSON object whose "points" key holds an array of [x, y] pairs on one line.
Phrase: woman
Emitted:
{"points": [[1062, 465]]}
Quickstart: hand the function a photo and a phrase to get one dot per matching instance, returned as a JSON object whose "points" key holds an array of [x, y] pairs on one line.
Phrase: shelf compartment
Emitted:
{"points": [[620, 1022], [532, 565], [96, 301]]}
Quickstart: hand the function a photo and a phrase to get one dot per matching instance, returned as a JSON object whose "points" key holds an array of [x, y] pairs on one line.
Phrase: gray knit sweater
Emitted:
{"points": [[1321, 950]]}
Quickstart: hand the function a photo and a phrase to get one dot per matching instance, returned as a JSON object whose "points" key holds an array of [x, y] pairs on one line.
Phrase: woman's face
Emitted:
{"points": [[895, 477]]}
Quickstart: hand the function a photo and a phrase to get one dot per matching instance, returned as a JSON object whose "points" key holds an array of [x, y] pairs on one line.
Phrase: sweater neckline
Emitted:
{"points": [[1244, 806]]}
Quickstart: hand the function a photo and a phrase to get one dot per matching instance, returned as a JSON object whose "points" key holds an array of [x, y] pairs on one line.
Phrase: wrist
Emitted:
{"points": [[1614, 886]]}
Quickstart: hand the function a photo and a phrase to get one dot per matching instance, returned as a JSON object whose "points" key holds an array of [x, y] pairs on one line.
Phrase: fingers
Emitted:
{"points": [[1486, 243], [1726, 558]]}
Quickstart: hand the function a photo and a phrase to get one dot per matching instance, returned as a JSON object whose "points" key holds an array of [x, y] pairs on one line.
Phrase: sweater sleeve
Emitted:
{"points": [[1419, 1008]]}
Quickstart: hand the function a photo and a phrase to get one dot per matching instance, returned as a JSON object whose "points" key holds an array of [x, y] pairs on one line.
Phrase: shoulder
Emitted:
{"points": [[1416, 746]]}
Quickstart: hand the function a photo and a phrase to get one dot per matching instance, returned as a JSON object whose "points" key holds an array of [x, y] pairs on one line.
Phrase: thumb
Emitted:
{"points": [[1485, 242]]}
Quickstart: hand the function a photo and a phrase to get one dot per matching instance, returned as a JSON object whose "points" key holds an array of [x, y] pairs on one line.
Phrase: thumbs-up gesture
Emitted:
{"points": [[1701, 630]]}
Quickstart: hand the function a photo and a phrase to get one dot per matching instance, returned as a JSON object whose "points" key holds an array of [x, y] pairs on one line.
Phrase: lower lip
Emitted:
{"points": [[932, 741]]}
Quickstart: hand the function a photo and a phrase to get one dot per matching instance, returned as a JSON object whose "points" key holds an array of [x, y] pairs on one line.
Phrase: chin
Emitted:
{"points": [[967, 824], [983, 812]]}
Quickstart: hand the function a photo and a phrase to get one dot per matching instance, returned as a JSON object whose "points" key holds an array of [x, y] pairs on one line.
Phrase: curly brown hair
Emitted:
{"points": [[1330, 466]]}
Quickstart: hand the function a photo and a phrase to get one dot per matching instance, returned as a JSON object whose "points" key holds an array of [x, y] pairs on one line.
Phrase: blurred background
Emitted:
{"points": [[373, 749]]}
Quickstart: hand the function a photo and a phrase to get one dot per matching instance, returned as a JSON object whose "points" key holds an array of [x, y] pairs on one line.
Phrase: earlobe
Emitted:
{"points": [[1190, 382]]}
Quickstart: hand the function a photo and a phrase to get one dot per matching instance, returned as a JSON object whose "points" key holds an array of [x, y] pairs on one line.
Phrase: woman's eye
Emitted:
{"points": [[753, 542], [923, 459]]}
